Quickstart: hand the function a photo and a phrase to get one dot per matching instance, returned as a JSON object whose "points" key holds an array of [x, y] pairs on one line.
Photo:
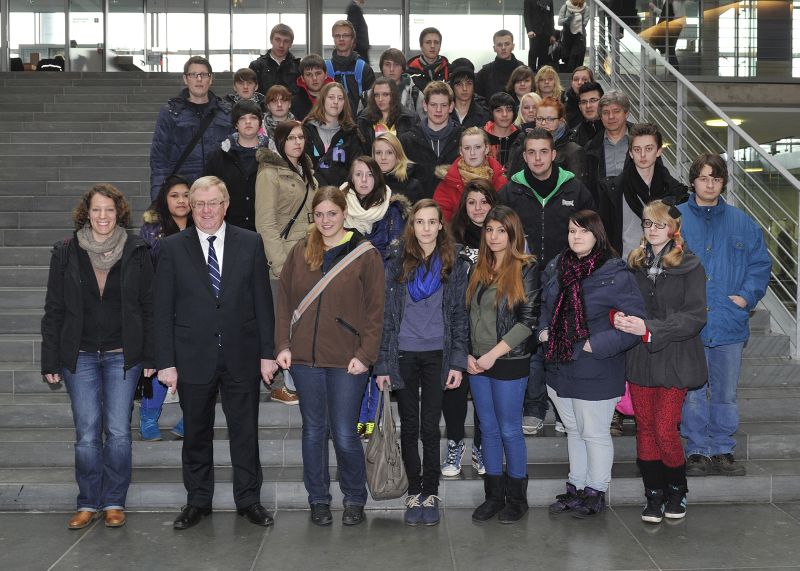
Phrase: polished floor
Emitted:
{"points": [[743, 536]]}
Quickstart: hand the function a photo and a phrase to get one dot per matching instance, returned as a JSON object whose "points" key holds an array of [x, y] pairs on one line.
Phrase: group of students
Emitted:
{"points": [[475, 251]]}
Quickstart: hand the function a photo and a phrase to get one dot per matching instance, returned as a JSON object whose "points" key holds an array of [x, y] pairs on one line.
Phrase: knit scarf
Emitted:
{"points": [[270, 123], [103, 255], [568, 323], [427, 280], [360, 218], [576, 22], [469, 173], [635, 191], [655, 262]]}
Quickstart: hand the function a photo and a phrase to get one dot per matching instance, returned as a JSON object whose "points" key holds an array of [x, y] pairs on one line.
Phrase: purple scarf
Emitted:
{"points": [[568, 323]]}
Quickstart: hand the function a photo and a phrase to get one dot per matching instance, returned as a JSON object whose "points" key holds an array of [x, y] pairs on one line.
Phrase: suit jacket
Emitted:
{"points": [[189, 319]]}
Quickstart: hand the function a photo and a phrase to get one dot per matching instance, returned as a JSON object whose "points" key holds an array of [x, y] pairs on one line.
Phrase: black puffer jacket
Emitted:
{"points": [[454, 311], [405, 122], [419, 150], [675, 307], [271, 73], [332, 166], [569, 155], [477, 115], [62, 324]]}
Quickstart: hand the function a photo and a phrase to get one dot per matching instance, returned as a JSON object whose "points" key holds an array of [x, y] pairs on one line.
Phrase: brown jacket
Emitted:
{"points": [[279, 194], [345, 321]]}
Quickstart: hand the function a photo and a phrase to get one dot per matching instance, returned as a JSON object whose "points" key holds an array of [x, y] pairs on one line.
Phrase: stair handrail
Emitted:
{"points": [[782, 302]]}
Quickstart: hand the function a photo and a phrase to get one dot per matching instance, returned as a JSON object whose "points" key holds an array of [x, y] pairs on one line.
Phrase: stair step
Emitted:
{"points": [[53, 489], [68, 160], [30, 206], [79, 126], [20, 348], [767, 345], [85, 138], [22, 298], [25, 256], [21, 321], [15, 276]]}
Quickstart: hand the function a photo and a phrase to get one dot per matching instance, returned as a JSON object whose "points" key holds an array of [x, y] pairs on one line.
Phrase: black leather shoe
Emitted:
{"points": [[353, 515], [190, 516], [256, 514], [321, 514]]}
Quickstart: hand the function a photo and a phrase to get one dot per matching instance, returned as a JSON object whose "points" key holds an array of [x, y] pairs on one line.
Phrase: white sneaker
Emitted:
{"points": [[455, 454], [531, 425]]}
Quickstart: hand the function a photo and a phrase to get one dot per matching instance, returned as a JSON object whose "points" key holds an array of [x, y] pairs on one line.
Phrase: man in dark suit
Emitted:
{"points": [[215, 331]]}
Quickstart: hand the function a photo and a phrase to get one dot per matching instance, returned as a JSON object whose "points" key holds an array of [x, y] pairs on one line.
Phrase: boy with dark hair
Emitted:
{"points": [[470, 109], [501, 129], [313, 77], [429, 65], [278, 66], [433, 143], [589, 95], [393, 66], [245, 83]]}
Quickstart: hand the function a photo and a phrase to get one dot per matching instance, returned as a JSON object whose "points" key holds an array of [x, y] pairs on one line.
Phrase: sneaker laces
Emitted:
{"points": [[413, 501], [452, 453], [430, 501]]}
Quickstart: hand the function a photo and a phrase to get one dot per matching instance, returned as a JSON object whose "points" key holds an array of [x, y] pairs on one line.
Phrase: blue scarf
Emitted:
{"points": [[426, 282]]}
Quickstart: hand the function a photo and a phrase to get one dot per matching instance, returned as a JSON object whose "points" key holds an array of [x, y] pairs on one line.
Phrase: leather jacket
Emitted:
{"points": [[526, 313]]}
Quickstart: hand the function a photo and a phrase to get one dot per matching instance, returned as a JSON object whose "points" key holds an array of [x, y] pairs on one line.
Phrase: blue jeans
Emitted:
{"points": [[101, 393], [499, 407], [330, 400], [710, 413], [369, 404], [589, 443], [159, 394]]}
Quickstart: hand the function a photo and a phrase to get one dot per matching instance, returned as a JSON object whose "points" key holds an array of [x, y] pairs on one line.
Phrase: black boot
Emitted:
{"points": [[495, 490], [675, 492], [654, 482], [516, 500]]}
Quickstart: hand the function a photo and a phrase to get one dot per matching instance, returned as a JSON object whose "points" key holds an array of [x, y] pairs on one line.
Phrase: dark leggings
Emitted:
{"points": [[454, 409]]}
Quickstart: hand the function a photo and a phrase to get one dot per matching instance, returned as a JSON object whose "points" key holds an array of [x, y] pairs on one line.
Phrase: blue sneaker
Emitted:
{"points": [[148, 424], [430, 510], [455, 455], [413, 514], [178, 430]]}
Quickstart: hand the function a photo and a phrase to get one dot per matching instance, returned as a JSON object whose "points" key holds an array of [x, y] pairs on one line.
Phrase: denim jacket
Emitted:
{"points": [[456, 321], [731, 248]]}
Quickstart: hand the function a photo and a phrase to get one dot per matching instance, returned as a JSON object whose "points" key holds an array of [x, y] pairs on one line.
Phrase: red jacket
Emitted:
{"points": [[448, 193]]}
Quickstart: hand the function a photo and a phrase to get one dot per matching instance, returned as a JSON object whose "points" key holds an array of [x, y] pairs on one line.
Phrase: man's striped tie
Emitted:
{"points": [[213, 266]]}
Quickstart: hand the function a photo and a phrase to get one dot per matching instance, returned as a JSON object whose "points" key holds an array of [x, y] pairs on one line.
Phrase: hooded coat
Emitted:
{"points": [[448, 193]]}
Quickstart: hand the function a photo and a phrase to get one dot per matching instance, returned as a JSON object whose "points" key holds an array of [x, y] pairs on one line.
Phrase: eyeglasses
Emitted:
{"points": [[548, 120], [342, 36], [705, 180], [293, 138], [647, 223], [203, 75], [593, 100], [211, 204]]}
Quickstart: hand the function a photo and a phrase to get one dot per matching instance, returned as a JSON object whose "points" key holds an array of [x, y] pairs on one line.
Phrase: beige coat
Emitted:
{"points": [[279, 194]]}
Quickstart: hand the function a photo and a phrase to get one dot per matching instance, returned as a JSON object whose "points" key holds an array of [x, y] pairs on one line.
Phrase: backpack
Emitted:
{"points": [[358, 73]]}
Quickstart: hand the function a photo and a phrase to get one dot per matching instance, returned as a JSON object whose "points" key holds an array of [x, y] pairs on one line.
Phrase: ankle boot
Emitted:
{"points": [[568, 501], [675, 492], [516, 500], [654, 510], [148, 424], [495, 491], [594, 502]]}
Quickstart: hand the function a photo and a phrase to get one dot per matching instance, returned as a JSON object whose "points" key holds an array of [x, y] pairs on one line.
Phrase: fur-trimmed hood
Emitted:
{"points": [[268, 158], [150, 216]]}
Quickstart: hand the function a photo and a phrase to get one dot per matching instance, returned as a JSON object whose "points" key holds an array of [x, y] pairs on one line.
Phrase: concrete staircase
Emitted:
{"points": [[63, 132]]}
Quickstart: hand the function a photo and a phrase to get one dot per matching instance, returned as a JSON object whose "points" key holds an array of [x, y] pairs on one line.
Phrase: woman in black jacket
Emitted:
{"points": [[585, 355], [384, 112], [503, 302], [332, 138], [424, 346], [396, 168], [96, 331], [669, 360]]}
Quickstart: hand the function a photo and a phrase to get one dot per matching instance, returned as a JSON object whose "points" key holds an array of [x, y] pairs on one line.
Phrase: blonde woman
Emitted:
{"points": [[548, 84]]}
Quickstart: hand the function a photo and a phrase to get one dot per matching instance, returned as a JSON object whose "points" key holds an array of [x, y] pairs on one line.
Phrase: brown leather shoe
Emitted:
{"points": [[81, 520], [115, 518]]}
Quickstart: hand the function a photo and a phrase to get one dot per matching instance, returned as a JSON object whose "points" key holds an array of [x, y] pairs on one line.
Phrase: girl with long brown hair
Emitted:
{"points": [[384, 112], [503, 302], [330, 348], [424, 346]]}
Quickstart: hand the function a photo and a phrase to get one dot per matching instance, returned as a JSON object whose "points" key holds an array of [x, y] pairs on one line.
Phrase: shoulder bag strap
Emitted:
{"points": [[318, 288], [286, 229], [193, 143]]}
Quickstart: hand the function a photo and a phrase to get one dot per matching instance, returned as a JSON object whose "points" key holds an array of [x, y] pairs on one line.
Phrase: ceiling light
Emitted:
{"points": [[722, 122]]}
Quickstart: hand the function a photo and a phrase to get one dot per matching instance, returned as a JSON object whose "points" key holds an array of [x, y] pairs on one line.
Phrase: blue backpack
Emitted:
{"points": [[358, 73]]}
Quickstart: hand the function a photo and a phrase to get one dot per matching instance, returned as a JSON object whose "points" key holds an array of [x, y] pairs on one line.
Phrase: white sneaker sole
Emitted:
{"points": [[449, 473], [674, 516]]}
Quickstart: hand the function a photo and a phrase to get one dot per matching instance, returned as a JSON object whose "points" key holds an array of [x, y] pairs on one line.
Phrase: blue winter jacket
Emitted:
{"points": [[599, 375], [176, 126], [391, 226], [731, 248]]}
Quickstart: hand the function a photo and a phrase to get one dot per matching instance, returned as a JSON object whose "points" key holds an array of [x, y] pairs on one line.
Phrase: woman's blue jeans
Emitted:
{"points": [[499, 407], [330, 400], [101, 392]]}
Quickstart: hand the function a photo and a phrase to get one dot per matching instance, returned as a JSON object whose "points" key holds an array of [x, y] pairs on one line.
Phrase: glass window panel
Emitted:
{"points": [[36, 27]]}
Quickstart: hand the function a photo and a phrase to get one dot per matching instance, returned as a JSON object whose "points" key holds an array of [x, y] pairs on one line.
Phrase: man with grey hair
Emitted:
{"points": [[607, 151], [214, 332]]}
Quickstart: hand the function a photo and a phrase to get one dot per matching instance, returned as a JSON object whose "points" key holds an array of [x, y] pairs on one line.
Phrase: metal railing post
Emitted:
{"points": [[643, 100], [730, 150], [593, 28], [680, 133], [796, 352], [614, 49]]}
